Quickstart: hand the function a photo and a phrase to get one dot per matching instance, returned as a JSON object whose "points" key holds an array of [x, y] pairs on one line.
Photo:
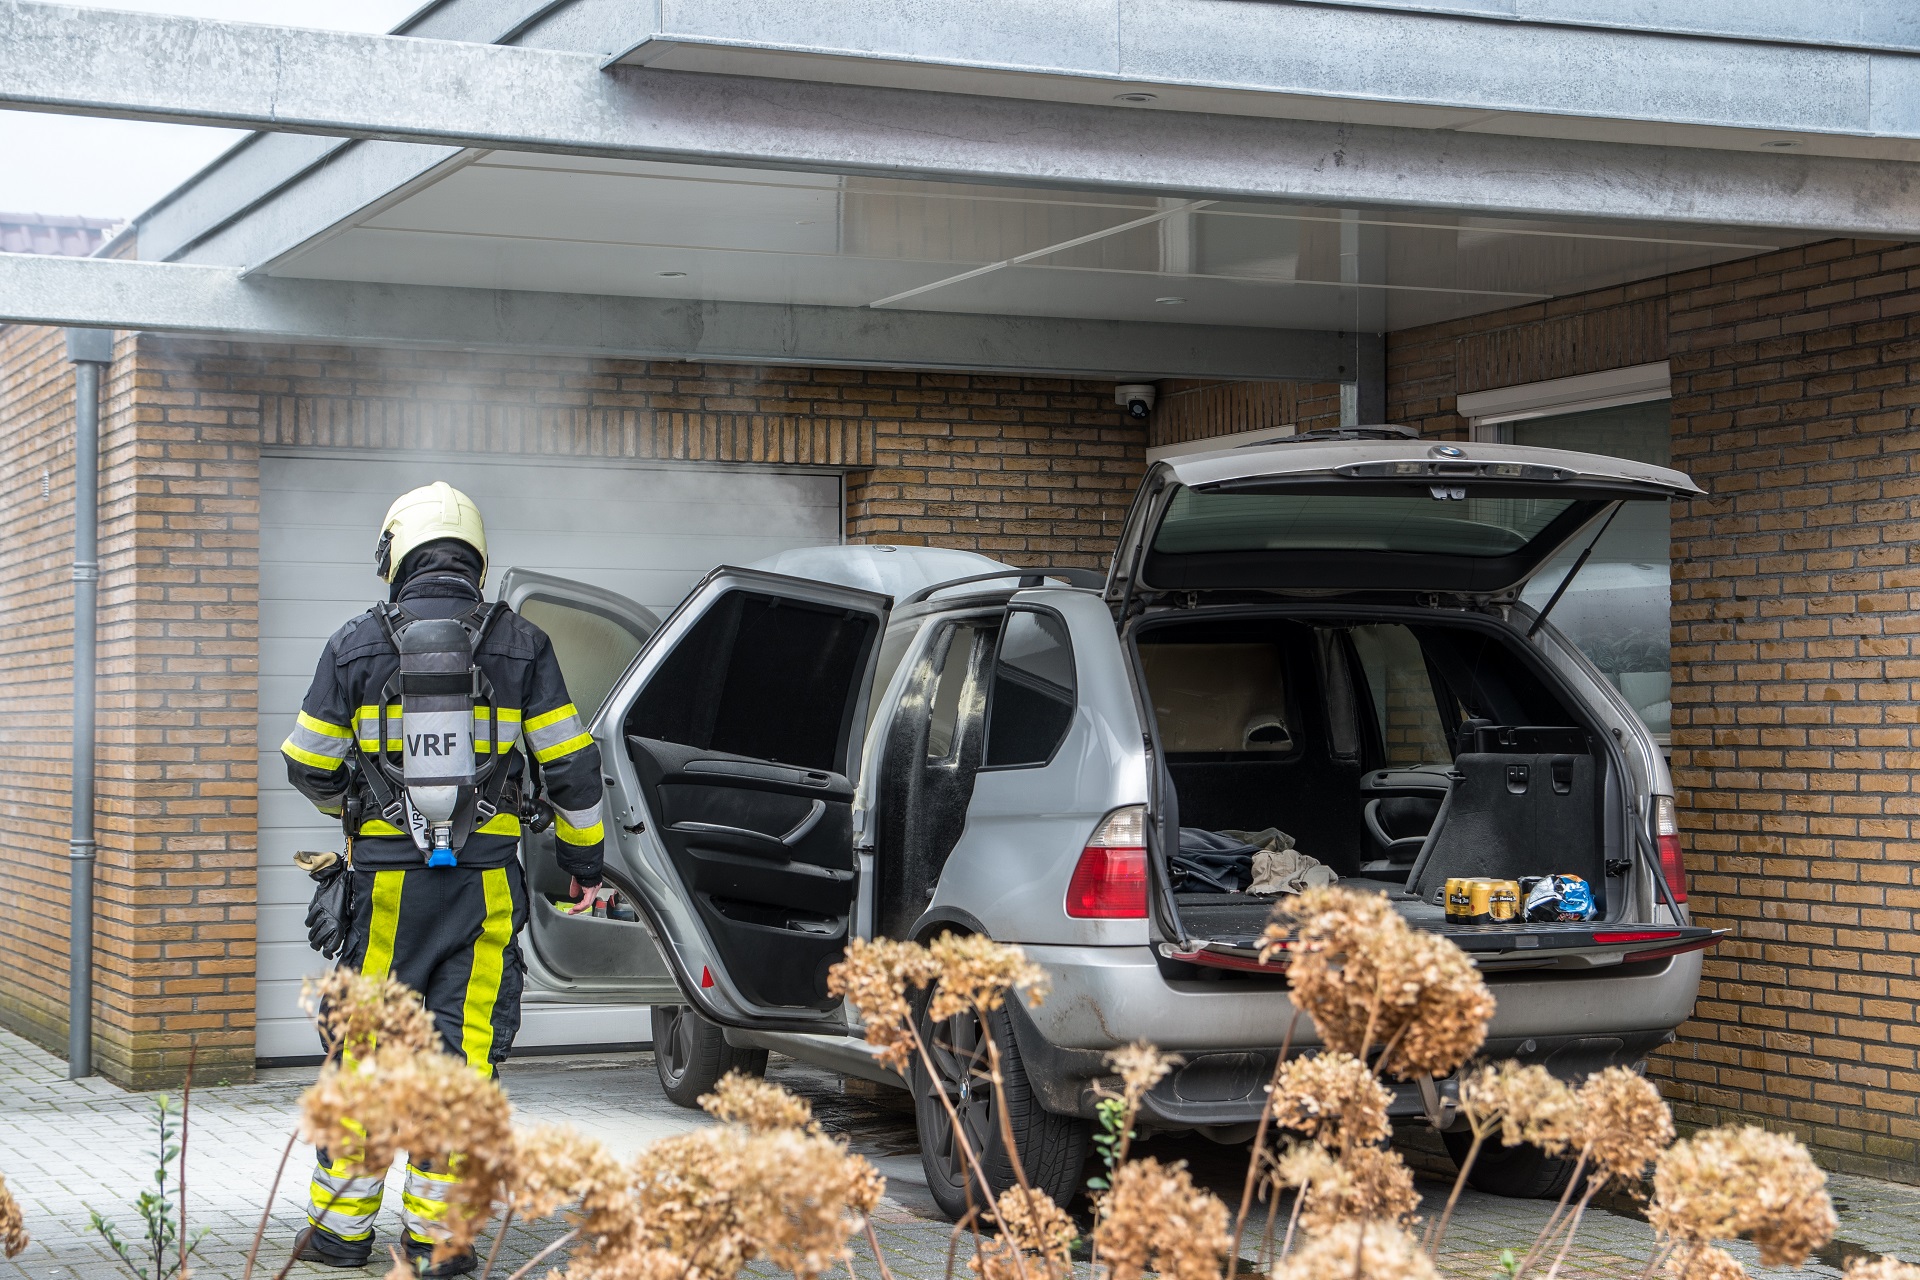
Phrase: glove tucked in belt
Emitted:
{"points": [[330, 913]]}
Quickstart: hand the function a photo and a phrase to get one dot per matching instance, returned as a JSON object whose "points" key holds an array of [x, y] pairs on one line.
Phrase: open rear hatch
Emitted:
{"points": [[1378, 516], [1391, 514]]}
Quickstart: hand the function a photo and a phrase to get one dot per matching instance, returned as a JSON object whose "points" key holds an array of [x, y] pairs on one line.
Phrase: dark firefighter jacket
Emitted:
{"points": [[533, 710]]}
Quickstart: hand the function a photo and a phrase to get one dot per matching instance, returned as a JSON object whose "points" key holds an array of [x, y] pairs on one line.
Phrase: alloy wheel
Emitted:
{"points": [[961, 1073]]}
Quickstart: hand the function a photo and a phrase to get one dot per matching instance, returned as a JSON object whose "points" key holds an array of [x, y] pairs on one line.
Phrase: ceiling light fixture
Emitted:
{"points": [[1170, 302], [1137, 95], [1780, 144], [670, 275]]}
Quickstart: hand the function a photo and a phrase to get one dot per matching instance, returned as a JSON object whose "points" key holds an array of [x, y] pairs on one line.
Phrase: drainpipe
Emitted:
{"points": [[90, 351]]}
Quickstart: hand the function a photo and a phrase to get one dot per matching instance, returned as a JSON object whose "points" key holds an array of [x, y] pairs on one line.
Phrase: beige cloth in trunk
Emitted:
{"points": [[1279, 867]]}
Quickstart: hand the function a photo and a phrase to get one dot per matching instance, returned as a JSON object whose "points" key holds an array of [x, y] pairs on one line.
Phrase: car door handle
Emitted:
{"points": [[815, 812], [806, 824]]}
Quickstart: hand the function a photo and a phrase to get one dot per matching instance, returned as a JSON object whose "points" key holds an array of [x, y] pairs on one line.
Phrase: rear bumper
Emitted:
{"points": [[1229, 1033]]}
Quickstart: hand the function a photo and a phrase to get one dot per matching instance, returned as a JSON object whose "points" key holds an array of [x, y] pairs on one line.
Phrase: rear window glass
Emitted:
{"points": [[1490, 527], [1033, 695], [1218, 697]]}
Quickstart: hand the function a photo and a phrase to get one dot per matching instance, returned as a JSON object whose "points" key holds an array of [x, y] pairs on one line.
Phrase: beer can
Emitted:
{"points": [[1480, 897], [1503, 902], [1459, 901]]}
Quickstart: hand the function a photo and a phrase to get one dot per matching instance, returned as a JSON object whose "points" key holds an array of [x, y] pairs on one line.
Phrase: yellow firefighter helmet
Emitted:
{"points": [[427, 515]]}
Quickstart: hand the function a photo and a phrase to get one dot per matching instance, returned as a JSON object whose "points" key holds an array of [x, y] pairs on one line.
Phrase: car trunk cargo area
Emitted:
{"points": [[1394, 751]]}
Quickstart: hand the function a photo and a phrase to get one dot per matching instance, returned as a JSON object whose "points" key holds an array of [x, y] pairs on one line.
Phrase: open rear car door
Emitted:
{"points": [[728, 748], [596, 634]]}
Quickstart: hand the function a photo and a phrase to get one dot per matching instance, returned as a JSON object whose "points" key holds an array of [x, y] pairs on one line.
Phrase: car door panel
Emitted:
{"points": [[729, 779], [765, 853]]}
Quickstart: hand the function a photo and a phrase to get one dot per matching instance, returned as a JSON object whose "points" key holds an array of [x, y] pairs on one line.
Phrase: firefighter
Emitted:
{"points": [[447, 931]]}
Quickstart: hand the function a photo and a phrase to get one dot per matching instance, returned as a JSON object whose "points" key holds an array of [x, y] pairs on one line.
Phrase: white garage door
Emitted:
{"points": [[646, 532]]}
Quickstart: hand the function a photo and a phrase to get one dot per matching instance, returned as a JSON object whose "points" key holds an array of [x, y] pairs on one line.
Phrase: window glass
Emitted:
{"points": [[1033, 692], [762, 677], [591, 648], [1616, 611], [1404, 706], [1418, 523], [951, 691], [893, 647], [1218, 697]]}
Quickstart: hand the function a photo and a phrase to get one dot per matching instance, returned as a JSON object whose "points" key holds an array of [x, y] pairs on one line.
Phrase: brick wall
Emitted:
{"points": [[1559, 338], [1189, 410], [36, 612], [1794, 622], [1794, 626]]}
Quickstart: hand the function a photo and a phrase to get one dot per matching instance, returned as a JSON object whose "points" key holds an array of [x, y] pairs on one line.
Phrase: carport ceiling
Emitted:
{"points": [[576, 224]]}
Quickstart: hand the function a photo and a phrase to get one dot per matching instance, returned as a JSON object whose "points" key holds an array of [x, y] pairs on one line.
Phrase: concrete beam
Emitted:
{"points": [[443, 93], [221, 301]]}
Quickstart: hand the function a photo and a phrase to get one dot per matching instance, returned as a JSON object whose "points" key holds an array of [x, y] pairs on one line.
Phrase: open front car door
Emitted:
{"points": [[728, 748]]}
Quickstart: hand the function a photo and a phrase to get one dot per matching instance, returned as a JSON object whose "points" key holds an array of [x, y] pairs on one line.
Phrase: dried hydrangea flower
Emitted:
{"points": [[758, 1104], [1332, 1098], [1358, 1251], [1624, 1123], [1722, 1184], [1140, 1066], [359, 1015], [1367, 979], [1366, 1183], [1155, 1216], [13, 1231], [1529, 1104], [1035, 1228], [554, 1166], [430, 1105], [720, 1198], [1704, 1262], [1884, 1268], [874, 978], [975, 973], [1303, 1164]]}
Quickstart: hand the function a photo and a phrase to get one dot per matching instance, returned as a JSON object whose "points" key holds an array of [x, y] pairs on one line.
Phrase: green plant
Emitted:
{"points": [[161, 1235], [1509, 1263], [1111, 1113]]}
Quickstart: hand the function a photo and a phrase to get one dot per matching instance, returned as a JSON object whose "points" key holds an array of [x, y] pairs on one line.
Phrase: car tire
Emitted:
{"points": [[691, 1054], [1522, 1172], [1053, 1148]]}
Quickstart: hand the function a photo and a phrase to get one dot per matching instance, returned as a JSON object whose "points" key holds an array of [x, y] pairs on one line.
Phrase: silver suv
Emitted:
{"points": [[1314, 644]]}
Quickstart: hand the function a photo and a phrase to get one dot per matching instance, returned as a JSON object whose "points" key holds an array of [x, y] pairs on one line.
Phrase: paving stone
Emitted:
{"points": [[67, 1146]]}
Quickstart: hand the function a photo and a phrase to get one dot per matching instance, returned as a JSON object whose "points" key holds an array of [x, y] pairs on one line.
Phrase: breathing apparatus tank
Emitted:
{"points": [[440, 778]]}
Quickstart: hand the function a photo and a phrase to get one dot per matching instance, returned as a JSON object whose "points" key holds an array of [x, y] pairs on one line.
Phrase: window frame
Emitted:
{"points": [[993, 683]]}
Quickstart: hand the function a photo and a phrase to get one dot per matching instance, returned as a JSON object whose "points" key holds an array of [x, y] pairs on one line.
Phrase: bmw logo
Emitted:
{"points": [[1446, 451]]}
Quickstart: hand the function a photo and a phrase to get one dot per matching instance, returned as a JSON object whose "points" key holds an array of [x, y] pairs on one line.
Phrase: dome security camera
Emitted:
{"points": [[1137, 397]]}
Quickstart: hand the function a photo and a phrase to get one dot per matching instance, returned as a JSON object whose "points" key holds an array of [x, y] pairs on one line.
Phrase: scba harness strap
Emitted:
{"points": [[438, 793]]}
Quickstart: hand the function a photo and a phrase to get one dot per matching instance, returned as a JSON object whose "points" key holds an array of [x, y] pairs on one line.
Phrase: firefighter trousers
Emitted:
{"points": [[450, 934]]}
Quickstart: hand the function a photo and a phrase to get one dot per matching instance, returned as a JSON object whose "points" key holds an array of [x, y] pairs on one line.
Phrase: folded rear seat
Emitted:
{"points": [[1513, 813]]}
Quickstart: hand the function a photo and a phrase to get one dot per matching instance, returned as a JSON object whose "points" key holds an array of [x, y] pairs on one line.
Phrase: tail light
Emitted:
{"points": [[1666, 838], [1110, 880]]}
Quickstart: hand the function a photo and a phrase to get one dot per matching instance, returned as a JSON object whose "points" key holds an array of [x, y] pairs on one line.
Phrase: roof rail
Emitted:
{"points": [[1034, 577]]}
